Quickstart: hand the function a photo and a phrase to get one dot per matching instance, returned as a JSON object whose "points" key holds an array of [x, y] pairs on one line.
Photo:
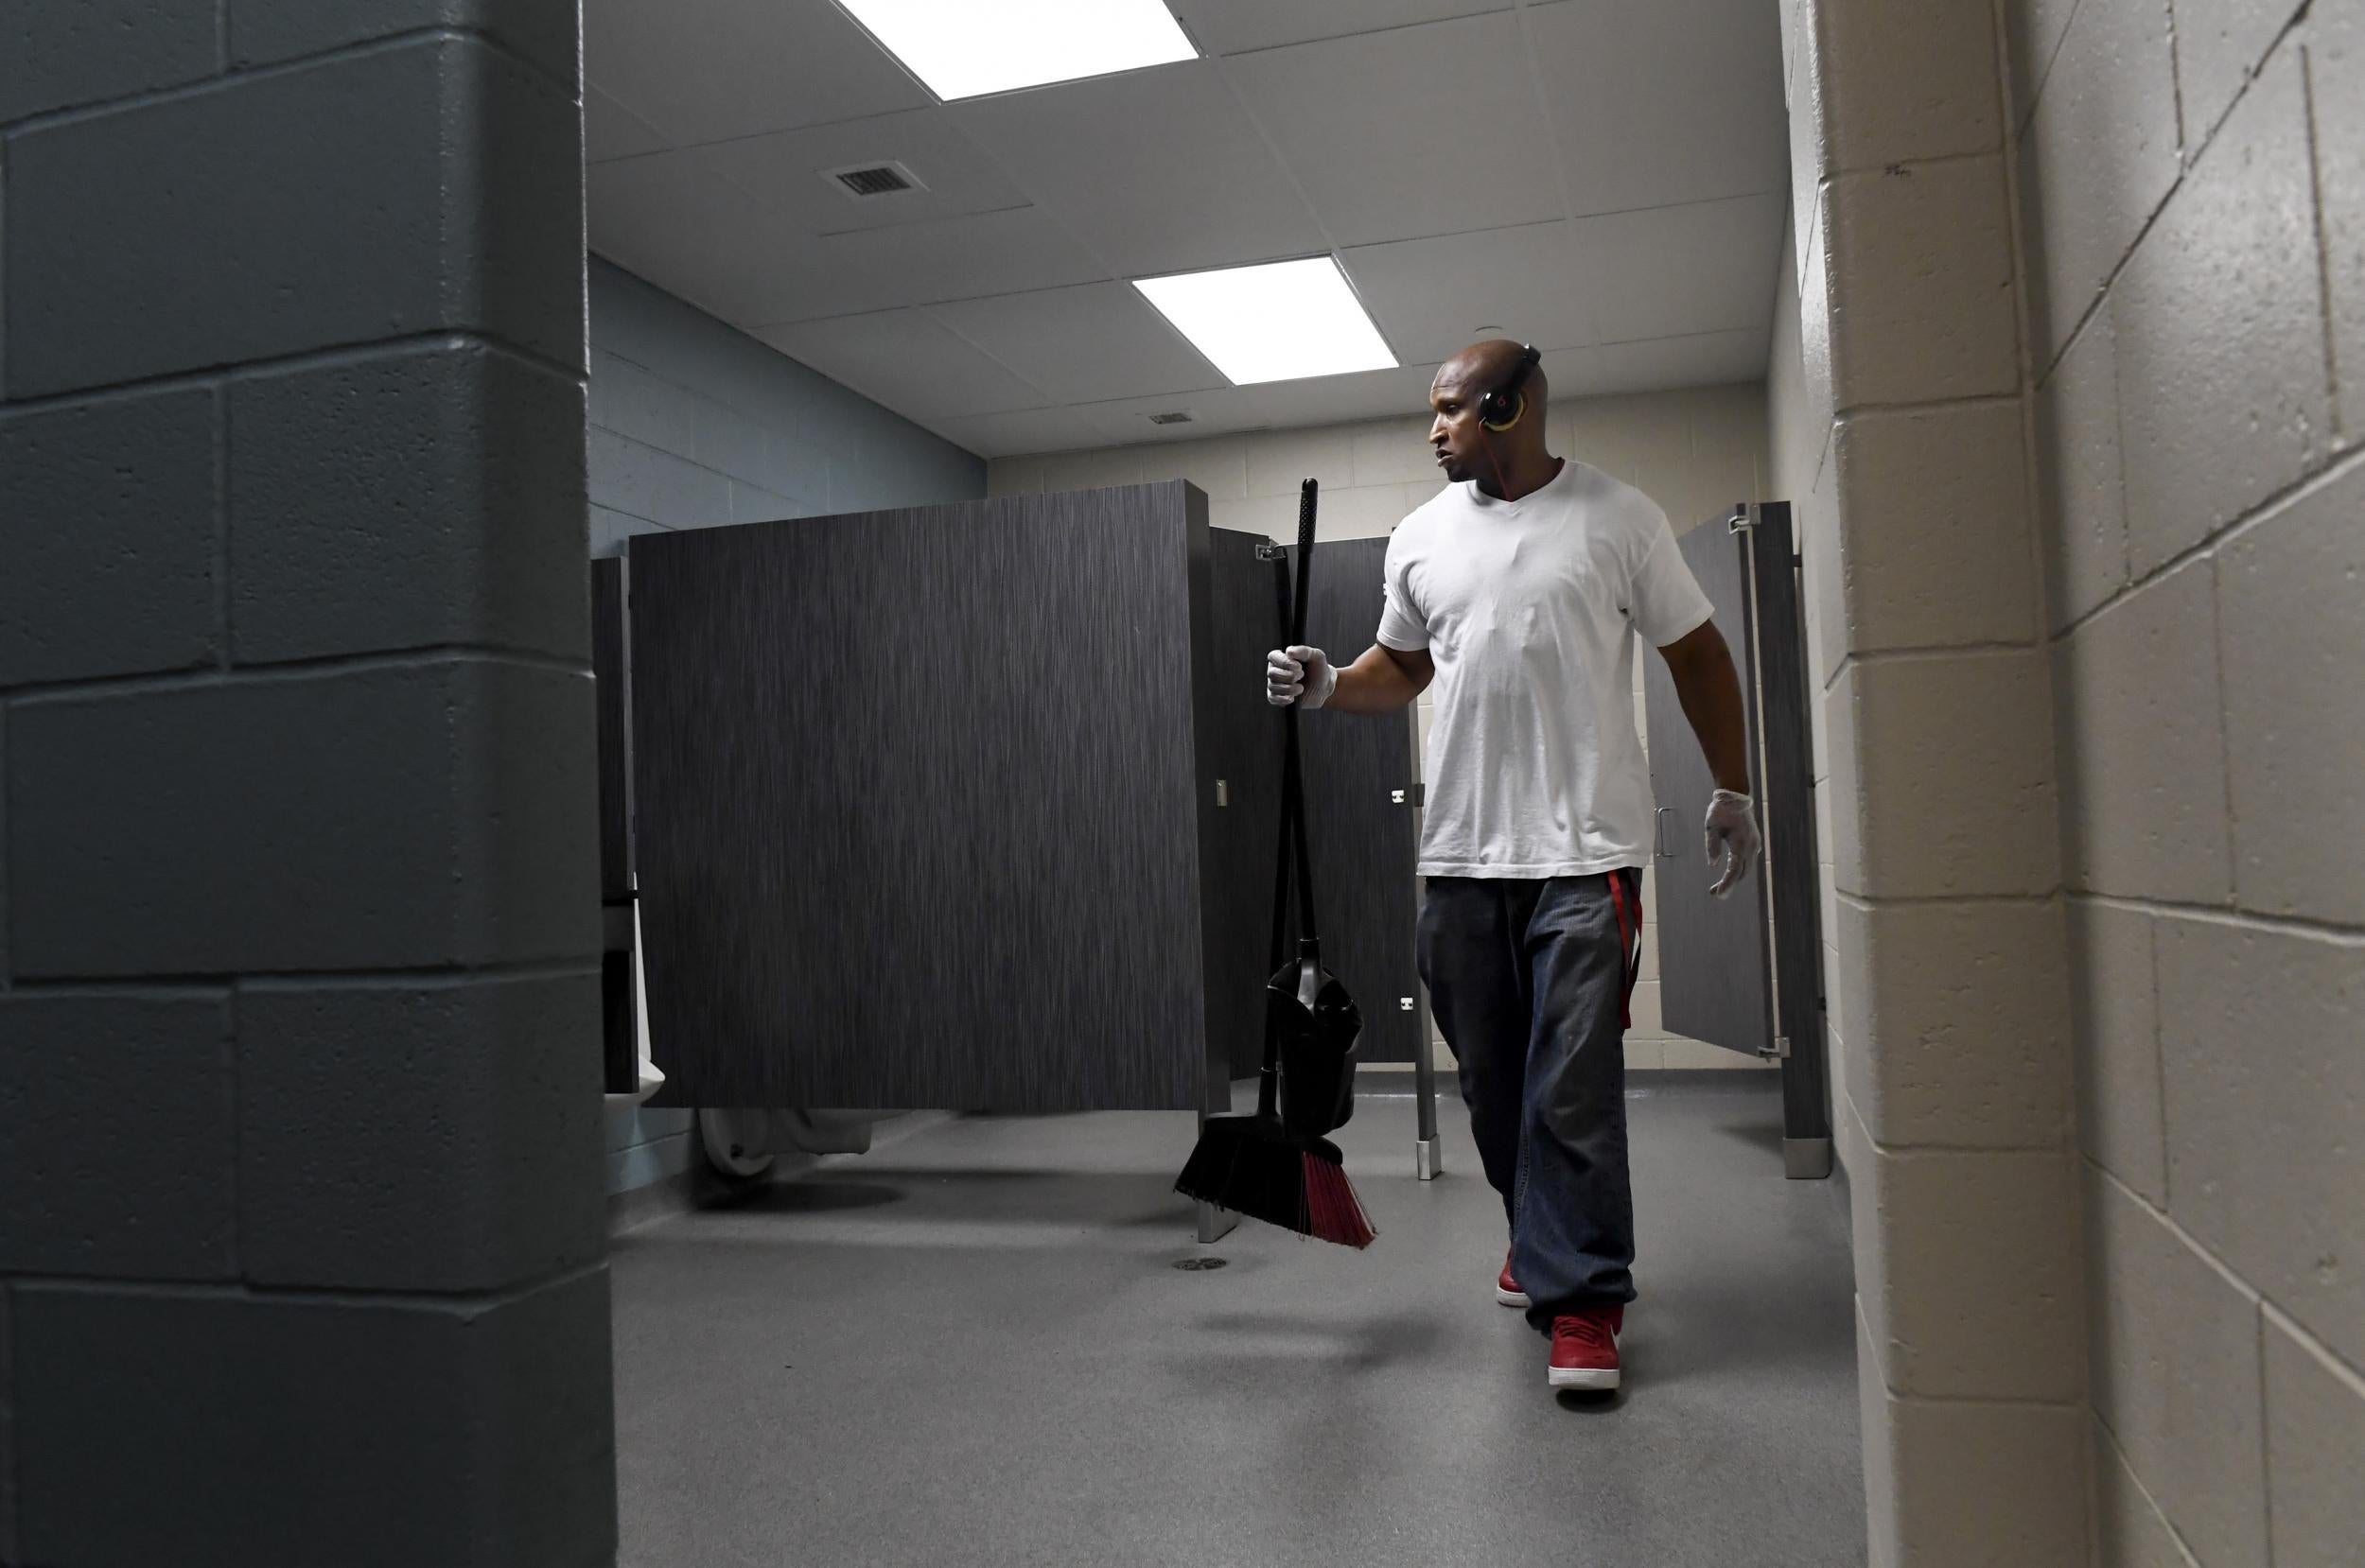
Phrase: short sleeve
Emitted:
{"points": [[1667, 601], [1402, 626]]}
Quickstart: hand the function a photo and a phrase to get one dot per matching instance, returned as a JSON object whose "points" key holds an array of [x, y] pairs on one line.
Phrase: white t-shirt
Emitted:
{"points": [[1529, 609]]}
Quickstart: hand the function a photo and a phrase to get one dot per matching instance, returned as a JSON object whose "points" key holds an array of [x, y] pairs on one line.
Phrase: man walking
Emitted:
{"points": [[1519, 590]]}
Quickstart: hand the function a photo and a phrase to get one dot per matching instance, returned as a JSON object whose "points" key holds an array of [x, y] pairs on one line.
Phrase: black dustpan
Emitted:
{"points": [[1318, 1026]]}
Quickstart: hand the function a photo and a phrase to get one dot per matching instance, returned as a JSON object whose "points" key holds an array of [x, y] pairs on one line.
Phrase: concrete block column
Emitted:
{"points": [[302, 1260], [1956, 1115]]}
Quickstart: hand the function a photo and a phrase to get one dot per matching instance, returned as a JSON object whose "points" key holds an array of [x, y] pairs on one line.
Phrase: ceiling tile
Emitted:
{"points": [[1086, 344], [1430, 296], [726, 68], [908, 361], [785, 169], [1336, 399], [1698, 359], [610, 130], [954, 258], [1676, 100], [1662, 271], [682, 228], [1381, 129], [1345, 123], [1218, 410], [1012, 434], [1235, 26], [1158, 171]]}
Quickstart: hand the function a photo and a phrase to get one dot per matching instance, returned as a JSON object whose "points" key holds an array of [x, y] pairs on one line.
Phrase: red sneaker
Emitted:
{"points": [[1585, 1349], [1507, 1289]]}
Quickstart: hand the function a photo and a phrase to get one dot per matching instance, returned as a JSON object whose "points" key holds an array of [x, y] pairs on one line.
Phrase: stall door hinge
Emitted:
{"points": [[1416, 795], [1778, 1051]]}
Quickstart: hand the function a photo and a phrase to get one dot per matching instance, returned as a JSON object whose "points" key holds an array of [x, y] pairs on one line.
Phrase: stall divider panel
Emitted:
{"points": [[925, 805]]}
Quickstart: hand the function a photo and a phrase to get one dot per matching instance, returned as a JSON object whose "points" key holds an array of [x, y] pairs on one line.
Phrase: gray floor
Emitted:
{"points": [[971, 1347]]}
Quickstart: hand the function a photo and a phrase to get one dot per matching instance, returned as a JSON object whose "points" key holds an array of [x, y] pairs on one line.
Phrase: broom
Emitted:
{"points": [[1256, 1165]]}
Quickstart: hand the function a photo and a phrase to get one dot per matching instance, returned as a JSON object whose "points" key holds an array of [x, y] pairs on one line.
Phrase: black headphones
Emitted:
{"points": [[1501, 409]]}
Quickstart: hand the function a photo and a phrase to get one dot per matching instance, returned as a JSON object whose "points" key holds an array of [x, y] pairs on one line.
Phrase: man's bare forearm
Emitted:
{"points": [[1709, 689], [1380, 682]]}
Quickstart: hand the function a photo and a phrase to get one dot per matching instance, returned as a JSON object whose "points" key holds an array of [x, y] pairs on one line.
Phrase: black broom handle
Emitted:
{"points": [[1293, 843], [1268, 1081], [1293, 774]]}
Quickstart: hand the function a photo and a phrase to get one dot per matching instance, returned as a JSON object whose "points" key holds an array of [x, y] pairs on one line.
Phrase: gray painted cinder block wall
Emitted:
{"points": [[1901, 428], [694, 424], [302, 1255], [2192, 205], [2161, 208]]}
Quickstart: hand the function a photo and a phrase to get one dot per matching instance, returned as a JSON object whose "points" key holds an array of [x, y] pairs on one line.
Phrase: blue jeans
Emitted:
{"points": [[1530, 981]]}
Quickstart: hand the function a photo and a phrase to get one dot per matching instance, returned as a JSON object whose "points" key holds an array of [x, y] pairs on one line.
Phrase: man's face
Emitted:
{"points": [[1455, 434]]}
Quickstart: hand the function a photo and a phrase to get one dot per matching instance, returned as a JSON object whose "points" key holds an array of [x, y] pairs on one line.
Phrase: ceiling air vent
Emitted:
{"points": [[865, 182], [1176, 416]]}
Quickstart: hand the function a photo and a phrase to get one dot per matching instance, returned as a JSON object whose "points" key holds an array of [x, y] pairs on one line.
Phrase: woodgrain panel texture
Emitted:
{"points": [[1365, 847], [1711, 952], [917, 823]]}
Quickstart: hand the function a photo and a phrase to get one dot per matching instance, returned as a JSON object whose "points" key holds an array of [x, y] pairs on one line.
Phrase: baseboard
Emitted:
{"points": [[1713, 1080]]}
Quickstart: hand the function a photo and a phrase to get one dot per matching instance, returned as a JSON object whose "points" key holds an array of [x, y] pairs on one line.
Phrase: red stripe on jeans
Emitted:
{"points": [[1627, 969]]}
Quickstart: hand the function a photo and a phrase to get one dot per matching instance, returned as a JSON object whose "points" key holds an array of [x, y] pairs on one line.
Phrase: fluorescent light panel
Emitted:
{"points": [[1281, 322], [966, 48]]}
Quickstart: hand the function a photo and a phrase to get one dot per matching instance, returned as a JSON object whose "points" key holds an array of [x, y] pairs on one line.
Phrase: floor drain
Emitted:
{"points": [[1198, 1266]]}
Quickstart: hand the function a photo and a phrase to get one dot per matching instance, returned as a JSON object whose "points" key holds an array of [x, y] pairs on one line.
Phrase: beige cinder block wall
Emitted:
{"points": [[2168, 198], [2192, 199], [1695, 451], [1902, 427]]}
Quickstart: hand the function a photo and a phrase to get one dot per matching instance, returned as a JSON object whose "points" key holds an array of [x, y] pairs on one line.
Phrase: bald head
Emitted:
{"points": [[1466, 448], [1482, 367]]}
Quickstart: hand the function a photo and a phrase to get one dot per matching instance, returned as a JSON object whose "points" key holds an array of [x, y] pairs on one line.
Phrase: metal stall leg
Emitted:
{"points": [[1428, 1150]]}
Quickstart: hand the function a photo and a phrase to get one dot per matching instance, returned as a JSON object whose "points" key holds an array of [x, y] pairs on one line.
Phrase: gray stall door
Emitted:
{"points": [[1247, 744], [1361, 776], [1745, 971], [1714, 974]]}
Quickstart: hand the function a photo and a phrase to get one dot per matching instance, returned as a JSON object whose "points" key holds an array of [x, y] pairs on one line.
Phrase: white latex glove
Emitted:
{"points": [[1299, 675], [1732, 839]]}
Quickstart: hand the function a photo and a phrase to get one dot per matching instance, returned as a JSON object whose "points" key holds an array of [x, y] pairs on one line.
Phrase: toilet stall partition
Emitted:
{"points": [[925, 805]]}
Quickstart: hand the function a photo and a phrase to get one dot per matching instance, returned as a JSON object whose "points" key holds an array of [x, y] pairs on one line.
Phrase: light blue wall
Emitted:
{"points": [[694, 424], [645, 1146]]}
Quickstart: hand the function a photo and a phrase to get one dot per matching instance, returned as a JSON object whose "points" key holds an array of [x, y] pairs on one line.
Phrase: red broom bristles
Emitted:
{"points": [[1333, 1212]]}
